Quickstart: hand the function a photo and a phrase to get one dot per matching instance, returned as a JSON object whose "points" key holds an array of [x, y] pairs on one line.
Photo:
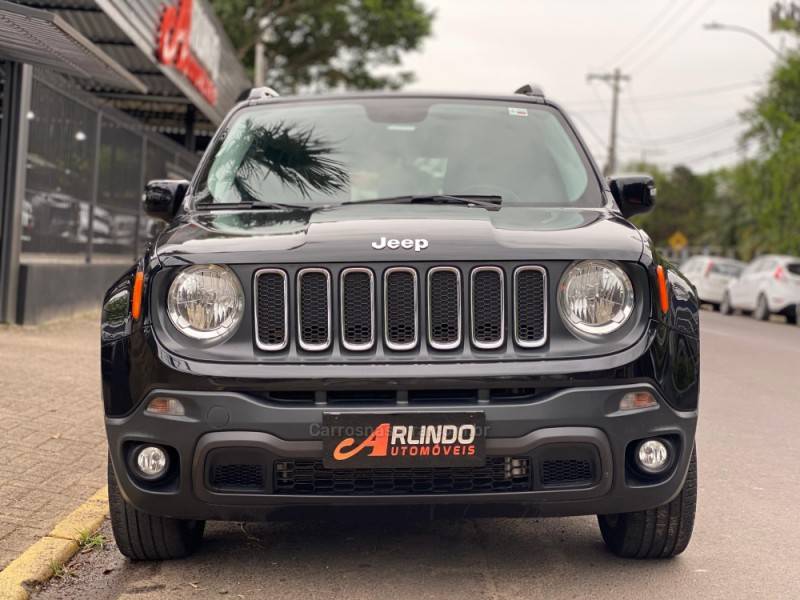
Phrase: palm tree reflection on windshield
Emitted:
{"points": [[293, 155]]}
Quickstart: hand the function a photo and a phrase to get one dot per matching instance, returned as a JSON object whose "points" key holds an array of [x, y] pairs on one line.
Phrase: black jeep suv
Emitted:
{"points": [[400, 299]]}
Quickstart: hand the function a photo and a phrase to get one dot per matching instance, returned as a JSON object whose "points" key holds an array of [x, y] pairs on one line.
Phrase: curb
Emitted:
{"points": [[35, 565]]}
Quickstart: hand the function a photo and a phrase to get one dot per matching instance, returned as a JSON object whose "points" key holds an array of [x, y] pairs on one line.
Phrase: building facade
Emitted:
{"points": [[97, 97]]}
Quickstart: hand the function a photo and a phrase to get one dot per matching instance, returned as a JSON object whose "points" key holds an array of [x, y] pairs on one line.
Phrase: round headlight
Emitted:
{"points": [[206, 302], [595, 297]]}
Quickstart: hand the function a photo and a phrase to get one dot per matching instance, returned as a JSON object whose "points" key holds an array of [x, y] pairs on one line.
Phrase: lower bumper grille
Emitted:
{"points": [[310, 477], [237, 477], [567, 472]]}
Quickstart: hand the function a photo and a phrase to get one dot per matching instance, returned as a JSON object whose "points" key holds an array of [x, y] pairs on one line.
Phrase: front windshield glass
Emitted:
{"points": [[315, 153]]}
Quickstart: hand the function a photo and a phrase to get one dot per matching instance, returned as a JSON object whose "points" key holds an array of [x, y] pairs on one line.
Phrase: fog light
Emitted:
{"points": [[151, 462], [166, 406], [636, 400], [653, 456]]}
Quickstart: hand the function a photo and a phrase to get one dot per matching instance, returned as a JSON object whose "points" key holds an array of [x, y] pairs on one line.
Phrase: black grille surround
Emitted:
{"points": [[423, 310]]}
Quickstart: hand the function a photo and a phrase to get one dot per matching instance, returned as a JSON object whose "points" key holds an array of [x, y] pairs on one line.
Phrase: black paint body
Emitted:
{"points": [[226, 388]]}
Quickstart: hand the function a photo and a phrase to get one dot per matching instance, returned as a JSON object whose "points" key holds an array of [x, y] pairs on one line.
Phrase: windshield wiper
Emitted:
{"points": [[251, 206], [483, 201]]}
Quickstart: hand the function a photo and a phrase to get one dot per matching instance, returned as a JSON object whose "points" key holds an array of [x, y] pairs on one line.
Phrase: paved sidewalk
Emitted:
{"points": [[52, 443]]}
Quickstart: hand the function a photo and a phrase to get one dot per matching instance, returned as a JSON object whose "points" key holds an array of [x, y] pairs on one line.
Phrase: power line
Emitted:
{"points": [[700, 92], [713, 154], [687, 136], [643, 35], [647, 98], [598, 138], [678, 33], [637, 113]]}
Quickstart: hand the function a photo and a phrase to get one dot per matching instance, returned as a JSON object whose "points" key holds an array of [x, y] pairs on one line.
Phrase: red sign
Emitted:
{"points": [[175, 48]]}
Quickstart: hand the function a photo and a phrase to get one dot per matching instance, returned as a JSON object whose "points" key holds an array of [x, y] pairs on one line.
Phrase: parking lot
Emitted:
{"points": [[746, 543]]}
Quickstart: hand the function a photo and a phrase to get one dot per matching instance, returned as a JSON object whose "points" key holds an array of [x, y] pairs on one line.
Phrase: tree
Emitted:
{"points": [[771, 182], [330, 44], [686, 202]]}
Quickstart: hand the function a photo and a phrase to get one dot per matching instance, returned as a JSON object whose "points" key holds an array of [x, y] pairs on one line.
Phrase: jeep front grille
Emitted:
{"points": [[400, 309]]}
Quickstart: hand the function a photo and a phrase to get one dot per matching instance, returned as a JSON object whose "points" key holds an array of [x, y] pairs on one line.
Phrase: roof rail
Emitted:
{"points": [[531, 90], [259, 93]]}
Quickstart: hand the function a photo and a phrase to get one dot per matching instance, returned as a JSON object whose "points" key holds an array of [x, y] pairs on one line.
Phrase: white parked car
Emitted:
{"points": [[711, 276], [768, 285]]}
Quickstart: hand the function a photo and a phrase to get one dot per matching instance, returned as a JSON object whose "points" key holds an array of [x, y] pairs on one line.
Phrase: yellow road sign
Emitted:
{"points": [[677, 241]]}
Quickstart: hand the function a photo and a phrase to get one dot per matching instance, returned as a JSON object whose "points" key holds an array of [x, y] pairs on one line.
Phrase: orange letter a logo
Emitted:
{"points": [[378, 441]]}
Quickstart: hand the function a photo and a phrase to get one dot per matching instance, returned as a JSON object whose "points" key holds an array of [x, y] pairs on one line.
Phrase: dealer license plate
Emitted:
{"points": [[359, 440]]}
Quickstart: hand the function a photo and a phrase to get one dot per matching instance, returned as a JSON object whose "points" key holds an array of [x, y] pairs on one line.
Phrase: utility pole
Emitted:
{"points": [[260, 67], [614, 79], [264, 36]]}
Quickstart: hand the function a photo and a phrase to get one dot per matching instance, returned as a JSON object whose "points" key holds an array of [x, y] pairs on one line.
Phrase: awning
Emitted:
{"points": [[42, 38]]}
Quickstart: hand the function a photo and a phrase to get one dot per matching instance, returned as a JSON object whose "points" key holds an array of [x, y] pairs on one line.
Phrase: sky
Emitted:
{"points": [[687, 85]]}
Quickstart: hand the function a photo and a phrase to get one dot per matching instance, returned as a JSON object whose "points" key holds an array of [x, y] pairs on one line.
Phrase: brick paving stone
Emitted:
{"points": [[52, 442]]}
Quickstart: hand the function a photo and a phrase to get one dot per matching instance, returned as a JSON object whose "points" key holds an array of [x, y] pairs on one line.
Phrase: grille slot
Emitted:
{"points": [[310, 477], [401, 308], [314, 309], [237, 477], [567, 472], [530, 306], [358, 308], [488, 307], [444, 308], [272, 309]]}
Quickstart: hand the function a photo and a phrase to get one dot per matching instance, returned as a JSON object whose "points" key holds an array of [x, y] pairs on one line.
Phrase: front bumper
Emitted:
{"points": [[582, 416]]}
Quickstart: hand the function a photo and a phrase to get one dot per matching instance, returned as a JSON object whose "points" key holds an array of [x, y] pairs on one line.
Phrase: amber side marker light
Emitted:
{"points": [[136, 299], [166, 406], [662, 289], [637, 400]]}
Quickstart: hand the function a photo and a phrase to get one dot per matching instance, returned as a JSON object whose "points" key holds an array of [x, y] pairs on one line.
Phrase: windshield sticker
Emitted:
{"points": [[517, 112]]}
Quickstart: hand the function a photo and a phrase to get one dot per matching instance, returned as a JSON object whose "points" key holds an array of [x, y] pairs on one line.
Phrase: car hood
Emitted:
{"points": [[347, 233]]}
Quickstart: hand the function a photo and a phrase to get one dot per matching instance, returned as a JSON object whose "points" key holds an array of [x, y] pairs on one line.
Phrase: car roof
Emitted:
{"points": [[382, 95], [716, 258], [778, 257]]}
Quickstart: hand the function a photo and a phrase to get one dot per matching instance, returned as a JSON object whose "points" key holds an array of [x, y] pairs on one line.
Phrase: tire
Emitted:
{"points": [[791, 315], [715, 306], [761, 312], [140, 536], [661, 532], [725, 308]]}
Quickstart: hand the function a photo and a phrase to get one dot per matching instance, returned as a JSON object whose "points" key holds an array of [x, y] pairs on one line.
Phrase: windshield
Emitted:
{"points": [[729, 269], [330, 152]]}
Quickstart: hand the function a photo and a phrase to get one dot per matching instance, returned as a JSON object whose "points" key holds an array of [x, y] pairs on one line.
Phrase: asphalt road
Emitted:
{"points": [[746, 542]]}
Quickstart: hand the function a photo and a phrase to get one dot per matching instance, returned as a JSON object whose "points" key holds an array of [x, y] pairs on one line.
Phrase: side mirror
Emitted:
{"points": [[162, 197], [634, 194]]}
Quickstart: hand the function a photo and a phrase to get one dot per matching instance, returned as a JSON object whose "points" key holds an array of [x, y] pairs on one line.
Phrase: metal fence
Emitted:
{"points": [[86, 169]]}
